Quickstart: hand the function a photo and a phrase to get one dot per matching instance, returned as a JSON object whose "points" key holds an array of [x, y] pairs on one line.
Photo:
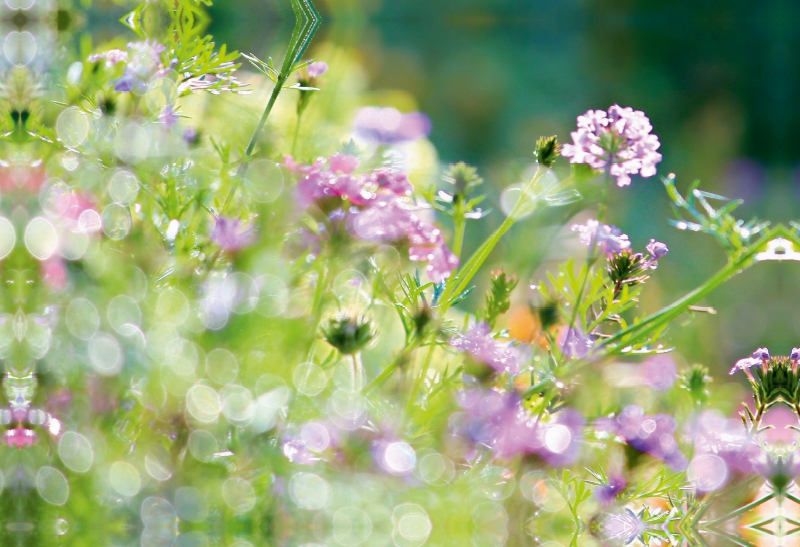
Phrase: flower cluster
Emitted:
{"points": [[485, 350], [618, 141], [500, 421], [375, 206], [654, 435], [609, 238]]}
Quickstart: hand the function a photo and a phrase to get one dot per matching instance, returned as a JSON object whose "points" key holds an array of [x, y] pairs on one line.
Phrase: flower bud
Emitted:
{"points": [[348, 334]]}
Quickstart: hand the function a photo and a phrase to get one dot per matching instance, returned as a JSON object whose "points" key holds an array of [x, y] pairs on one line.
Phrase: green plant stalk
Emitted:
{"points": [[666, 315], [385, 373], [296, 131], [412, 400], [460, 225], [463, 277]]}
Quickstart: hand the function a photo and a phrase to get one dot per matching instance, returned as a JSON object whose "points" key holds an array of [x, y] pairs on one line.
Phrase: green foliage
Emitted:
{"points": [[498, 297]]}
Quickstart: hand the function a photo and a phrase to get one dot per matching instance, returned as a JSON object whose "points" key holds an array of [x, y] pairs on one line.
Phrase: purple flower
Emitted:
{"points": [[607, 493], [112, 57], [653, 435], [624, 526], [618, 140], [759, 357], [143, 63], [659, 372], [315, 70], [479, 343], [573, 343], [656, 249], [168, 116], [390, 126], [229, 234], [501, 422], [609, 238], [379, 208]]}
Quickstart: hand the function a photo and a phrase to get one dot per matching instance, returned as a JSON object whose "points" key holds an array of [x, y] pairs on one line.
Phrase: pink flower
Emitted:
{"points": [[609, 238], [479, 343], [20, 437], [390, 126], [377, 208], [315, 70], [229, 234], [618, 140]]}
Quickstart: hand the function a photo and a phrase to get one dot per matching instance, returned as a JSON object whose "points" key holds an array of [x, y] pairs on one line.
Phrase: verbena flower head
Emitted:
{"points": [[618, 140], [486, 350], [390, 126], [609, 238]]}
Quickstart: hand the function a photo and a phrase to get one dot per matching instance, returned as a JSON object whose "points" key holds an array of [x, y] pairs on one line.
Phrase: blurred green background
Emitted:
{"points": [[719, 80]]}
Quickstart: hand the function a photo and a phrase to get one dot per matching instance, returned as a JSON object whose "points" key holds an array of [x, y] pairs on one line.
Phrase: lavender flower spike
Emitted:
{"points": [[656, 249], [618, 141]]}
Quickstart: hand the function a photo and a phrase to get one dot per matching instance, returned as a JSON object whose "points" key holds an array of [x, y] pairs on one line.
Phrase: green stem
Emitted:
{"points": [[592, 256], [394, 365], [458, 239], [666, 315], [741, 510], [296, 131], [262, 122], [421, 378], [462, 277]]}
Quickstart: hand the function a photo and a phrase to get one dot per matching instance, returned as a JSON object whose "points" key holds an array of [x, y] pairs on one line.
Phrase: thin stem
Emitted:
{"points": [[394, 365], [260, 127], [458, 239], [591, 257], [741, 510], [421, 378], [296, 131]]}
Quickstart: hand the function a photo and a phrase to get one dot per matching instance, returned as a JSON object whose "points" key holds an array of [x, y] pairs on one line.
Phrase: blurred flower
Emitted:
{"points": [[20, 437], [142, 64], [609, 238], [502, 422], [315, 70], [486, 350], [229, 234], [112, 57], [389, 126], [624, 526], [653, 435], [618, 140], [607, 493], [573, 343], [658, 372], [168, 116]]}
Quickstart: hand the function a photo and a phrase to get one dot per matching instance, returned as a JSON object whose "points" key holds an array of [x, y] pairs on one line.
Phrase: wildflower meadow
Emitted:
{"points": [[245, 304]]}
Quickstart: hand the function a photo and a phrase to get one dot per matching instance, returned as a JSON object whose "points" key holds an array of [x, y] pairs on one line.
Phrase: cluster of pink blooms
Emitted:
{"points": [[760, 358], [481, 346], [618, 140], [501, 422], [376, 206]]}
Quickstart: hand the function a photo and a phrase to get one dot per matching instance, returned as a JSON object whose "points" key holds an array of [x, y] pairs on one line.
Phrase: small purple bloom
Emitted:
{"points": [[315, 70], [501, 422], [659, 372], [479, 343], [656, 249], [653, 435], [390, 126], [609, 238], [759, 357], [624, 526], [229, 234], [573, 343], [168, 116], [618, 140], [607, 493]]}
